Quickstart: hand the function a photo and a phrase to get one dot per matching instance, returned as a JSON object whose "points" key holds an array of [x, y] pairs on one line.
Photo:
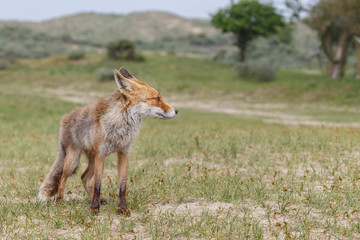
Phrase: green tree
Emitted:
{"points": [[357, 45], [247, 20], [295, 7], [337, 22]]}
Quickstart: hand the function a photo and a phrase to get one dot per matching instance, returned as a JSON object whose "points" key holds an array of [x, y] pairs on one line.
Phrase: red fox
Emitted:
{"points": [[108, 126]]}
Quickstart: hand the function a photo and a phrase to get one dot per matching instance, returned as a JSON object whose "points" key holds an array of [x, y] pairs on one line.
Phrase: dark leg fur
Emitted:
{"points": [[95, 202], [96, 194]]}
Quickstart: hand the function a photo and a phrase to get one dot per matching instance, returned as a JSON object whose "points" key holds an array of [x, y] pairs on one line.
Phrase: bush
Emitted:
{"points": [[123, 49], [257, 71], [14, 52], [105, 74], [171, 52], [76, 55], [4, 64], [139, 58], [220, 56], [201, 40]]}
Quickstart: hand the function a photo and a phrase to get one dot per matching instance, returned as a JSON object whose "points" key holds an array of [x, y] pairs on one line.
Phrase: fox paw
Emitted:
{"points": [[95, 211], [103, 201], [125, 212]]}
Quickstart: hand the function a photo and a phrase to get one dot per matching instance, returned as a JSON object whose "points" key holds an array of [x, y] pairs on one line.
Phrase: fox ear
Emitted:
{"points": [[124, 72], [122, 81]]}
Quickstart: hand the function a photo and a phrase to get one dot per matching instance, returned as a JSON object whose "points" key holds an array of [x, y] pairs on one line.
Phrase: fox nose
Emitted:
{"points": [[176, 111]]}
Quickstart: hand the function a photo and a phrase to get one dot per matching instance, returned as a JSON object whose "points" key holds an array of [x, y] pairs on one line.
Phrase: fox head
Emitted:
{"points": [[144, 99]]}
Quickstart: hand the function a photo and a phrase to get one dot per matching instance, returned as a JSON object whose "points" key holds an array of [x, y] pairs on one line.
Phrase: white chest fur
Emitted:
{"points": [[120, 129]]}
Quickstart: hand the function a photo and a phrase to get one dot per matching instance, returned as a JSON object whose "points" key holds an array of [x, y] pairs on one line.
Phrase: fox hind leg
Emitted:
{"points": [[87, 176], [88, 173], [71, 163]]}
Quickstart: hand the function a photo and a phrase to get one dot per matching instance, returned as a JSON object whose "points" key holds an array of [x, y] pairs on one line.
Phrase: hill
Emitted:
{"points": [[167, 32], [104, 28], [89, 31]]}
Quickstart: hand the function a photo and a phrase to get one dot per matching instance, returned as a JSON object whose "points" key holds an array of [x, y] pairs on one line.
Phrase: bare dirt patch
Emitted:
{"points": [[193, 208], [74, 96], [269, 113], [269, 218], [269, 116]]}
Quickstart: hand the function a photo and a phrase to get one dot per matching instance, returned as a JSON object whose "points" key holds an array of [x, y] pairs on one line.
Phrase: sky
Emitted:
{"points": [[39, 10]]}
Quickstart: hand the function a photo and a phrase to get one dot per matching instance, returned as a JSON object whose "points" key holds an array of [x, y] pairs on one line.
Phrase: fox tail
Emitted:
{"points": [[50, 185]]}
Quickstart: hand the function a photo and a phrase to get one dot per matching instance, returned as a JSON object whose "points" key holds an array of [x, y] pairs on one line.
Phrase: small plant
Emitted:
{"points": [[105, 74], [76, 55], [257, 71]]}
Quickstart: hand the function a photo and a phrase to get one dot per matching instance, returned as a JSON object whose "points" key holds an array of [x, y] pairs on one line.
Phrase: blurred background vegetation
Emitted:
{"points": [[324, 36]]}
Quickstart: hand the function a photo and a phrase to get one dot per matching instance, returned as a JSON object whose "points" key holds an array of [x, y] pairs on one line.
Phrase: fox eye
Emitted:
{"points": [[157, 98]]}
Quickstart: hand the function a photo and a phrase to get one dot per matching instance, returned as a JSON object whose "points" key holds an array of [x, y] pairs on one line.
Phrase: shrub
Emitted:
{"points": [[123, 49], [15, 52], [171, 52], [200, 40], [4, 64], [105, 74], [139, 58], [220, 56], [257, 71], [76, 55]]}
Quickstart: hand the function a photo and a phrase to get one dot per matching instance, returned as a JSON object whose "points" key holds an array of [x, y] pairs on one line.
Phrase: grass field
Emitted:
{"points": [[206, 174]]}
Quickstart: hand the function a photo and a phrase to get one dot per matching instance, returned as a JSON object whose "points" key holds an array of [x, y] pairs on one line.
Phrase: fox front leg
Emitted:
{"points": [[122, 171]]}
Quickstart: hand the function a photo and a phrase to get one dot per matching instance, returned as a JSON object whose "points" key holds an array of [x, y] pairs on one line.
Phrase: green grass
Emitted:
{"points": [[199, 78], [199, 175]]}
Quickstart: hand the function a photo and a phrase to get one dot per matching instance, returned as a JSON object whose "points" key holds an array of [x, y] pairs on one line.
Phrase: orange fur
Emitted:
{"points": [[100, 129]]}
